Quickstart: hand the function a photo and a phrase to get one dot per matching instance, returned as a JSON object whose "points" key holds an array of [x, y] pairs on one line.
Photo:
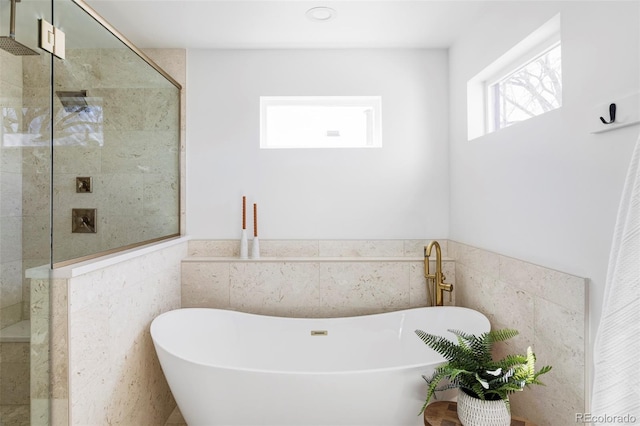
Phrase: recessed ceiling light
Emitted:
{"points": [[321, 14]]}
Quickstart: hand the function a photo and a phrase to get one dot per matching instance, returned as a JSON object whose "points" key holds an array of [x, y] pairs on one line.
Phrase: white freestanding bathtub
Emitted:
{"points": [[232, 368]]}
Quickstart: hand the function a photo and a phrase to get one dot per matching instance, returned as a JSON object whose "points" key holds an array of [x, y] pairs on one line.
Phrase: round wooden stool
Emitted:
{"points": [[445, 413]]}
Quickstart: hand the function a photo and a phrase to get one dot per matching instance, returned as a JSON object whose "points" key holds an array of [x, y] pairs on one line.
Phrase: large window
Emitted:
{"points": [[320, 122]]}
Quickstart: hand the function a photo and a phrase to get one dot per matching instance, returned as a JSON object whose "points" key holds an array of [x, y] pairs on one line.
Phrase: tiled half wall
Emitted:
{"points": [[547, 307], [307, 278], [104, 368]]}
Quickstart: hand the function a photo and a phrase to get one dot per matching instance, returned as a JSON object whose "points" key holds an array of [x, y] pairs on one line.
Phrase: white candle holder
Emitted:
{"points": [[244, 245], [255, 248]]}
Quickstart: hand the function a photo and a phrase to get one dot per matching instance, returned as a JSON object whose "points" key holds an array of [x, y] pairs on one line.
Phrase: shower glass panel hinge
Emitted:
{"points": [[52, 39]]}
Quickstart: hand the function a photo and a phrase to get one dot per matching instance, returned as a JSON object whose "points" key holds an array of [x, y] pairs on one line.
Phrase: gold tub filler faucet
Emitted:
{"points": [[438, 278]]}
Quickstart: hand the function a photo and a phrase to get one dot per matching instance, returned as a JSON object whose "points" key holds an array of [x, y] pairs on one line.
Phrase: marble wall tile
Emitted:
{"points": [[361, 248], [274, 288], [205, 284]]}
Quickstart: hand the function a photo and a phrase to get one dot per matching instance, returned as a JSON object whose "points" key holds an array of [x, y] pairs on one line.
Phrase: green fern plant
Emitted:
{"points": [[470, 366]]}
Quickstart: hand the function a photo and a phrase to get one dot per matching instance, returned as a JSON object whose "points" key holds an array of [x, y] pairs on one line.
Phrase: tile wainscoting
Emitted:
{"points": [[106, 369], [308, 278], [548, 308]]}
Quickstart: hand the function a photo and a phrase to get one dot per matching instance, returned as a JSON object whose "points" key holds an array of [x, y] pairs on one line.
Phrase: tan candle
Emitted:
{"points": [[244, 212], [255, 220]]}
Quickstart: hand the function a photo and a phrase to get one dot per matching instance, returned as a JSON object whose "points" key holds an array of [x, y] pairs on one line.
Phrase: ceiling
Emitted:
{"points": [[241, 24]]}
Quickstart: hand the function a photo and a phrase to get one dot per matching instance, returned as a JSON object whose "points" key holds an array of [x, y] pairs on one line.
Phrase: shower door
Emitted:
{"points": [[25, 188], [116, 147], [89, 164]]}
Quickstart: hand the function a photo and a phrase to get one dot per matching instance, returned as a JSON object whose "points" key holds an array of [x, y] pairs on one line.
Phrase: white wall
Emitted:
{"points": [[546, 190], [399, 191]]}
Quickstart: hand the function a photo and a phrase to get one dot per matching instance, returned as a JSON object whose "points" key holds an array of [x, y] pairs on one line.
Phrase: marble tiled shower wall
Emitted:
{"points": [[131, 153], [11, 284], [547, 307], [308, 278]]}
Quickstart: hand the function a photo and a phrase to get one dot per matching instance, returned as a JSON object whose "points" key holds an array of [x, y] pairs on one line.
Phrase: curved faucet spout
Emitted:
{"points": [[438, 278]]}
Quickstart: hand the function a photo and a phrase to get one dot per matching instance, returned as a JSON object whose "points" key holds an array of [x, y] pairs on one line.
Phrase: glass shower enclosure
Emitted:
{"points": [[89, 165]]}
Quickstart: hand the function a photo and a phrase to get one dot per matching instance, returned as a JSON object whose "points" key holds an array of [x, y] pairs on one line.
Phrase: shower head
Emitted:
{"points": [[73, 101], [9, 42]]}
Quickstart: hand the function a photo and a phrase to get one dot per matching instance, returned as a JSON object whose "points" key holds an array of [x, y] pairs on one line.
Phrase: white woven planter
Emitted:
{"points": [[477, 412]]}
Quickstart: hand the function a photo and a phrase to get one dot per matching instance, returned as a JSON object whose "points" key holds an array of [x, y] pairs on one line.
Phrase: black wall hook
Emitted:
{"points": [[612, 115]]}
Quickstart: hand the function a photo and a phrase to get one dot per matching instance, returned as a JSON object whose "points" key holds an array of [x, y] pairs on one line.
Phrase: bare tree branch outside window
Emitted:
{"points": [[531, 90]]}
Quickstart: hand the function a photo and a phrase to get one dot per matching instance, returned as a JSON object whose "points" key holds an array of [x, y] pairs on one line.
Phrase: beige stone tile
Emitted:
{"points": [[11, 68], [361, 248], [563, 347], [415, 248], [10, 283], [37, 242], [11, 238], [59, 412], [36, 196], [564, 289], [14, 352], [14, 387], [172, 61], [11, 159], [289, 248], [11, 189], [10, 315], [486, 262], [82, 160], [39, 412], [379, 285], [214, 248], [40, 370], [417, 285], [273, 286], [15, 415], [160, 194], [205, 285], [162, 109]]}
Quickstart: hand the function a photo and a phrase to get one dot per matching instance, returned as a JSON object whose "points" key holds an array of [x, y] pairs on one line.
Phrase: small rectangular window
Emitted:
{"points": [[533, 88], [320, 122]]}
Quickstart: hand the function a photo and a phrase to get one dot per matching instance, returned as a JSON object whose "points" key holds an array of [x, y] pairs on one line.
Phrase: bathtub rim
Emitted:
{"points": [[439, 358]]}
